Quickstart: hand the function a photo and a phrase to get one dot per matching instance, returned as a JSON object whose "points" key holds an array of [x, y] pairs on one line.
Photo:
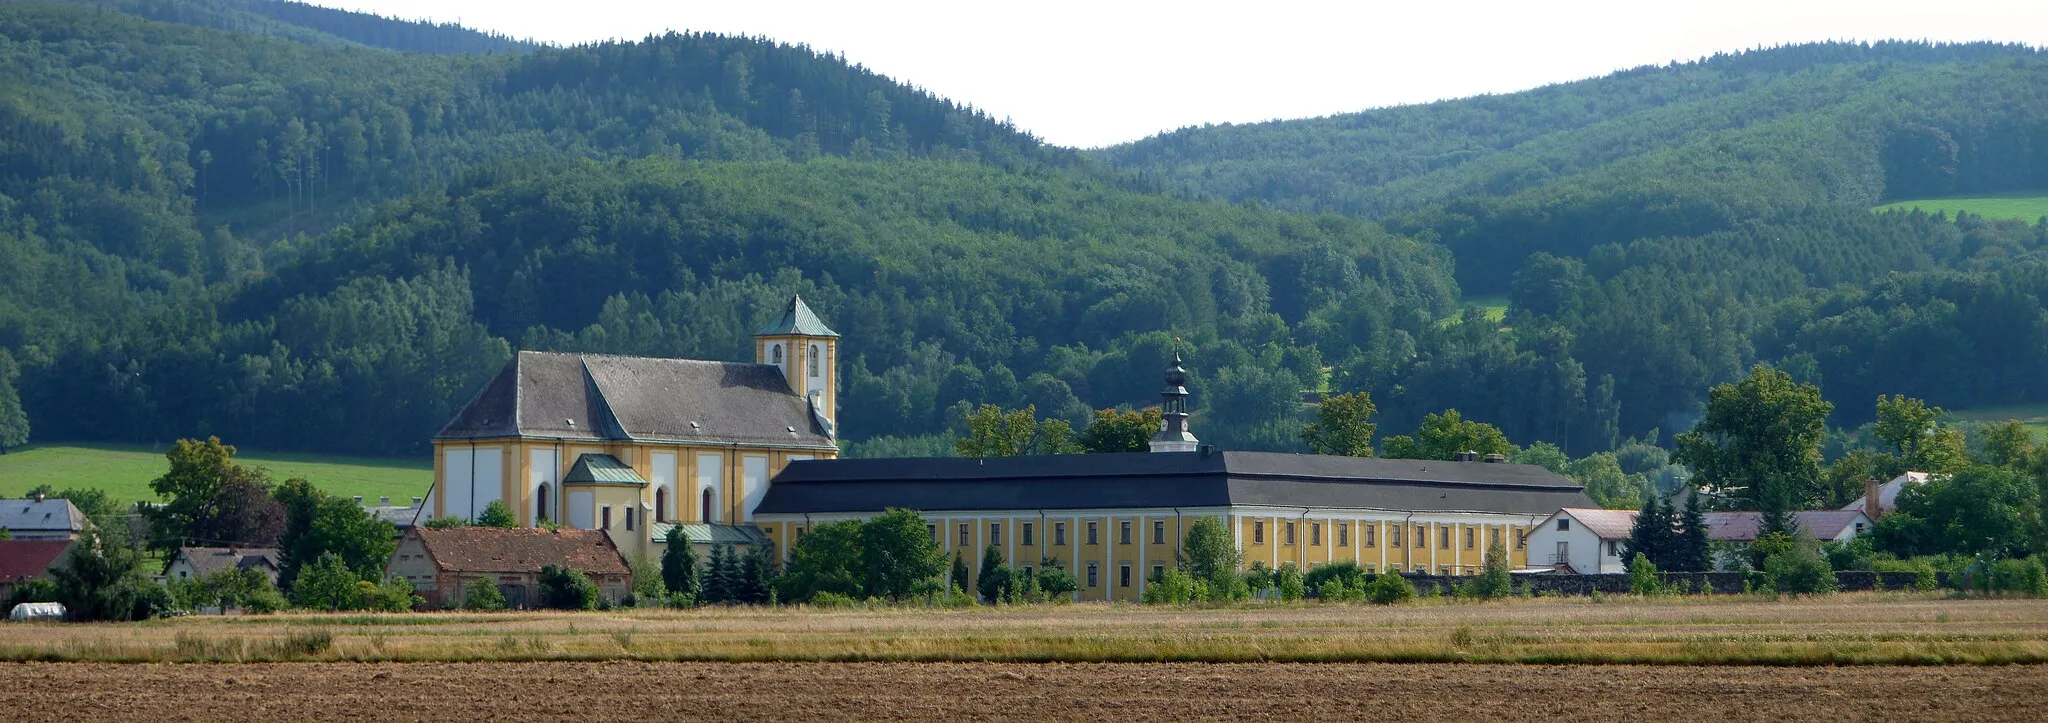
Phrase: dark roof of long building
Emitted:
{"points": [[592, 396], [1167, 479]]}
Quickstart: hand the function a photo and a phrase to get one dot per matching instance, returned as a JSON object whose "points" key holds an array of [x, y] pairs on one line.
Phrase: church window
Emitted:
{"points": [[1027, 533], [661, 505], [629, 519], [814, 360], [1158, 532], [540, 504], [995, 533], [775, 354], [607, 524], [1092, 540], [1059, 533], [1124, 532], [1091, 574], [1259, 532]]}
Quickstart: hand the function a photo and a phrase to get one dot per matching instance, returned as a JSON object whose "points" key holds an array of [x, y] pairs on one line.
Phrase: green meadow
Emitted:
{"points": [[124, 471], [2034, 416], [2029, 206]]}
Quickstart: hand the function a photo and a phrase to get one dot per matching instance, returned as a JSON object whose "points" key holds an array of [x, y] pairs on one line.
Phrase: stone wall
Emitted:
{"points": [[1687, 582]]}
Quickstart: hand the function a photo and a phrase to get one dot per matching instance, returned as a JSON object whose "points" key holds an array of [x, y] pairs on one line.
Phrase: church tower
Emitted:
{"points": [[1173, 433], [806, 350]]}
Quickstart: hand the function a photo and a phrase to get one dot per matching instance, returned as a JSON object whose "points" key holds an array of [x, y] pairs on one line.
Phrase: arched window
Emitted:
{"points": [[709, 503], [540, 504], [661, 505], [814, 360], [775, 354]]}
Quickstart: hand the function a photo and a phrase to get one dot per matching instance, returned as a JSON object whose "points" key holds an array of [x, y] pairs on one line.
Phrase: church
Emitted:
{"points": [[745, 454]]}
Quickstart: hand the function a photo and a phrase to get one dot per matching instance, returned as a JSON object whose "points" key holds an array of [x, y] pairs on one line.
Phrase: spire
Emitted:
{"points": [[1173, 433], [796, 319]]}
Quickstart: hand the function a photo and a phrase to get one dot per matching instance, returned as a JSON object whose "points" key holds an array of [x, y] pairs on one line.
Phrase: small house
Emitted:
{"points": [[443, 564], [39, 518], [1581, 540], [195, 563], [26, 561]]}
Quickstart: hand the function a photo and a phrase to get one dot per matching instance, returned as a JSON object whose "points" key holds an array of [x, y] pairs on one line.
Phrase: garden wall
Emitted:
{"points": [[1687, 582]]}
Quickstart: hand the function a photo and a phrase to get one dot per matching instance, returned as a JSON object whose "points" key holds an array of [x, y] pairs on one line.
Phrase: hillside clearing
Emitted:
{"points": [[2028, 206], [124, 471], [2034, 416]]}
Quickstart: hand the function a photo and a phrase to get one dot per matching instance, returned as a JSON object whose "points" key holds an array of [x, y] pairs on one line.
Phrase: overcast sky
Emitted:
{"points": [[1102, 72]]}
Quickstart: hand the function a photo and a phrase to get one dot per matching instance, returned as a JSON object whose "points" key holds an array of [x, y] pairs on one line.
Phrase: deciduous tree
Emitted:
{"points": [[1343, 426], [1759, 444]]}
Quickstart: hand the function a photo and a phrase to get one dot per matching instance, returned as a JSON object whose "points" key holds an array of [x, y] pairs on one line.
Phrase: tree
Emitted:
{"points": [[317, 524], [496, 514], [103, 578], [1446, 435], [994, 578], [756, 574], [212, 500], [679, 565], [992, 432], [1209, 553], [13, 419], [1054, 580], [1981, 509], [827, 558], [1902, 422], [2009, 444], [958, 575], [482, 596], [563, 588], [1690, 549], [897, 553], [328, 584], [721, 577], [1642, 576], [1545, 455], [1494, 579], [1114, 431], [1343, 426], [1759, 444], [1651, 537]]}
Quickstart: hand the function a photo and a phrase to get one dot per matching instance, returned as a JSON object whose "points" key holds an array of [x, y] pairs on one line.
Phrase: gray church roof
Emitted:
{"points": [[597, 397], [1167, 479], [797, 319]]}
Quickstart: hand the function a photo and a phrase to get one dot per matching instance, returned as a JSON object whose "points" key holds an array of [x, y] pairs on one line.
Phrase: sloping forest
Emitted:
{"points": [[314, 230]]}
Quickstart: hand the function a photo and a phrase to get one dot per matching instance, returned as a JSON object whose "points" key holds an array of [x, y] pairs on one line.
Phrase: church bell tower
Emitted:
{"points": [[1173, 433], [798, 343]]}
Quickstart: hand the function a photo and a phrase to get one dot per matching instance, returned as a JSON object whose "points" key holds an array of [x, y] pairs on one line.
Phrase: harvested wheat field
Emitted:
{"points": [[626, 690]]}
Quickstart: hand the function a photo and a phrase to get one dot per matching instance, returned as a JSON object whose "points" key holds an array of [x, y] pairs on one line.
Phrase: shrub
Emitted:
{"points": [[264, 601], [1054, 580], [496, 514], [829, 599], [1800, 571], [484, 597], [1643, 578], [1389, 588], [1258, 578], [328, 584], [1345, 573], [1173, 587], [395, 595], [1494, 581], [1924, 577], [566, 589], [1289, 582], [2024, 576], [1332, 590]]}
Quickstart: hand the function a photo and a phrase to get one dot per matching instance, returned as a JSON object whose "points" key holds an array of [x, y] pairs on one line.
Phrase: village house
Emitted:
{"points": [[1589, 541], [26, 561], [443, 564], [198, 563], [1879, 498], [42, 519]]}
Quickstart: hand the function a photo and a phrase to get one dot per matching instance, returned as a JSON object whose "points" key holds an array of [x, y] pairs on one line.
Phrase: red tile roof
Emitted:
{"points": [[28, 559], [492, 549]]}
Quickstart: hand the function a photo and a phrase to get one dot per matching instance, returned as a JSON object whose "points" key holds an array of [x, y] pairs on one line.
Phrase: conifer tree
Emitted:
{"points": [[679, 565], [959, 572], [718, 578], [1651, 535], [1690, 551], [994, 577]]}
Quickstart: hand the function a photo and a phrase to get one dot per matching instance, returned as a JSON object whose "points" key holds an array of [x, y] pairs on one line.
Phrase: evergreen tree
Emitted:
{"points": [[719, 576], [13, 421], [1651, 535], [959, 577], [757, 574], [679, 565], [994, 578], [1690, 552]]}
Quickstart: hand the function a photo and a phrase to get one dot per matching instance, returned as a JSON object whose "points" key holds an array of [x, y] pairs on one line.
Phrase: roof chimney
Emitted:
{"points": [[1496, 458], [384, 502], [417, 500], [1873, 500], [1468, 456], [39, 495], [359, 500]]}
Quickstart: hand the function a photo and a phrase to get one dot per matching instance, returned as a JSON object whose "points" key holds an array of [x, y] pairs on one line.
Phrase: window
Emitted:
{"points": [[1370, 530], [1315, 533], [775, 354], [1564, 524], [1091, 574], [1159, 531], [963, 534], [995, 533], [1394, 536], [799, 534], [707, 505], [1343, 535], [607, 523], [1158, 570], [1092, 540], [1422, 537], [1123, 576], [1443, 538], [540, 504], [1259, 532], [1521, 540], [1027, 534], [1059, 533], [1468, 538], [1613, 550], [629, 519], [661, 505], [1124, 532], [1394, 568], [1289, 539], [814, 360], [933, 530], [1027, 571]]}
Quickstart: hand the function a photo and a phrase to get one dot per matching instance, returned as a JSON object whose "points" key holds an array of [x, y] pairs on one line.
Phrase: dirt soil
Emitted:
{"points": [[734, 691]]}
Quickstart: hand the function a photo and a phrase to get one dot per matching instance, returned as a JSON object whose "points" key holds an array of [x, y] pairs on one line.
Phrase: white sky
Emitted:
{"points": [[1097, 73]]}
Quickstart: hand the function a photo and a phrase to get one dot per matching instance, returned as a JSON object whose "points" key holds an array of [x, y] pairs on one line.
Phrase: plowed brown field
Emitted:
{"points": [[731, 691]]}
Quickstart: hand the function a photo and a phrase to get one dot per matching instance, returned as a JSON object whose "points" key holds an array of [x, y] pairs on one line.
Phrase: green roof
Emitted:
{"points": [[712, 534], [602, 469], [797, 319]]}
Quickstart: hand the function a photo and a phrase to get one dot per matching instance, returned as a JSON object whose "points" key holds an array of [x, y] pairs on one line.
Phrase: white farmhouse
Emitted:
{"points": [[1581, 540]]}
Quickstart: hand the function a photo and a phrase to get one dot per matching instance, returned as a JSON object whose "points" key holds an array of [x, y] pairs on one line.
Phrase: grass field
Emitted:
{"points": [[2028, 206], [2034, 416], [1496, 308], [1844, 629], [125, 471]]}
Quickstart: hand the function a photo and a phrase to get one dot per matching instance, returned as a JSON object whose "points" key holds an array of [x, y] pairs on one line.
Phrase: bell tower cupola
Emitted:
{"points": [[1173, 433], [798, 343]]}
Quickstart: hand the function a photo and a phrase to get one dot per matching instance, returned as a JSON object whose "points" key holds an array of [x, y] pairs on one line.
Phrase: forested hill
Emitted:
{"points": [[285, 232], [1765, 129]]}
